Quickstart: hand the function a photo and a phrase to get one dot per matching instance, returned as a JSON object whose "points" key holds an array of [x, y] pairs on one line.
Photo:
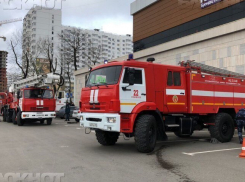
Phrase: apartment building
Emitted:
{"points": [[111, 46], [39, 24], [3, 68]]}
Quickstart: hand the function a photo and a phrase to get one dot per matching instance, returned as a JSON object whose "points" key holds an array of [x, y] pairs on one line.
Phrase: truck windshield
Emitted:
{"points": [[38, 93], [2, 97], [104, 76]]}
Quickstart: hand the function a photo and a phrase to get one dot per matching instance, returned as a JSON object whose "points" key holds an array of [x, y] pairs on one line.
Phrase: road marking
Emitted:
{"points": [[79, 128], [64, 146], [211, 151]]}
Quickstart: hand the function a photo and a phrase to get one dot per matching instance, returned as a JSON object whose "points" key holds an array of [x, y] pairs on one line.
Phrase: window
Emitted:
{"points": [[52, 21], [170, 78], [137, 77], [177, 80], [52, 16], [174, 79]]}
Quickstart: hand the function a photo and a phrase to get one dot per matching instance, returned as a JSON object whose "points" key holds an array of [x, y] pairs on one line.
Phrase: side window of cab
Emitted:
{"points": [[137, 76]]}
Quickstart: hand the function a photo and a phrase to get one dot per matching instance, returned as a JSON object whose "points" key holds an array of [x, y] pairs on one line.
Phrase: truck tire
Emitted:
{"points": [[145, 133], [20, 121], [77, 120], [49, 121], [14, 118], [106, 138], [223, 130], [8, 116], [4, 115], [178, 134]]}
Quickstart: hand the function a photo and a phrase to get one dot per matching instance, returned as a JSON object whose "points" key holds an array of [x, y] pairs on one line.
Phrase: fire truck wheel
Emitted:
{"points": [[178, 134], [4, 114], [223, 130], [14, 118], [9, 117], [20, 121], [49, 121], [106, 138], [145, 133]]}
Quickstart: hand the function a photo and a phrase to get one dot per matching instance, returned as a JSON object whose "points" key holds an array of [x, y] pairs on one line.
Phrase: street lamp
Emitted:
{"points": [[4, 38]]}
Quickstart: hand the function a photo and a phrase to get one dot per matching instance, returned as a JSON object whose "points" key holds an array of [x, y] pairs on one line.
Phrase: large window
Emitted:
{"points": [[104, 76], [38, 93]]}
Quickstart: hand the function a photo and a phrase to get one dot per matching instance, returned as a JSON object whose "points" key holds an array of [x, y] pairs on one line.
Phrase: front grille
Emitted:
{"points": [[94, 119], [39, 109]]}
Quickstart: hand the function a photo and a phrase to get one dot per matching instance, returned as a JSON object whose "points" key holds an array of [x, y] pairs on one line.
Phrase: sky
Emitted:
{"points": [[108, 15]]}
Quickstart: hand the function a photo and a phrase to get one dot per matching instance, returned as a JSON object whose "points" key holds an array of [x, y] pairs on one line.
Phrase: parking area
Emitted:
{"points": [[65, 148]]}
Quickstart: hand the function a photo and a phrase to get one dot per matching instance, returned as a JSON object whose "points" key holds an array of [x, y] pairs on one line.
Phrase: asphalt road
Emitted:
{"points": [[65, 148]]}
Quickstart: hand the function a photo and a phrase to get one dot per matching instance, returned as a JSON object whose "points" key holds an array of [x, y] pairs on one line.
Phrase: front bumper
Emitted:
{"points": [[101, 123], [38, 115]]}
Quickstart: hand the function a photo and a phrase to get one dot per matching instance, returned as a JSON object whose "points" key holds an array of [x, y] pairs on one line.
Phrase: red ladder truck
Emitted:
{"points": [[144, 100], [31, 100]]}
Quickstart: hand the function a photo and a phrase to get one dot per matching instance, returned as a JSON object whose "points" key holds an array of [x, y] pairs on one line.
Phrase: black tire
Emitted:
{"points": [[49, 121], [145, 133], [9, 116], [20, 121], [14, 118], [223, 130], [178, 134], [106, 138], [4, 115], [77, 120]]}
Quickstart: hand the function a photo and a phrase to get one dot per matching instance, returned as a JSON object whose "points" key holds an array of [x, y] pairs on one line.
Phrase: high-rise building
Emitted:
{"points": [[3, 67], [110, 46], [39, 24]]}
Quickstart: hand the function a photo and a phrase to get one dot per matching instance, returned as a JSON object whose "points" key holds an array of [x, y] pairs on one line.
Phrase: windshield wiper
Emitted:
{"points": [[104, 83]]}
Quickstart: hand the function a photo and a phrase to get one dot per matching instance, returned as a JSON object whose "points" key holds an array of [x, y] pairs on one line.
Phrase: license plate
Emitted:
{"points": [[93, 125]]}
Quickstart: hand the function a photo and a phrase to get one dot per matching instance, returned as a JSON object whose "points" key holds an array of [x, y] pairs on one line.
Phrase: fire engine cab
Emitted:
{"points": [[144, 100]]}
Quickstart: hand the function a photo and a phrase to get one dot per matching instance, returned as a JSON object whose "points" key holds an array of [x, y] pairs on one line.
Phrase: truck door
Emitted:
{"points": [[176, 98], [133, 94]]}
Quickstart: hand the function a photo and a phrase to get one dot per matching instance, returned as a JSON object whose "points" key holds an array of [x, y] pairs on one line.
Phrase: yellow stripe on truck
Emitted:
{"points": [[128, 104]]}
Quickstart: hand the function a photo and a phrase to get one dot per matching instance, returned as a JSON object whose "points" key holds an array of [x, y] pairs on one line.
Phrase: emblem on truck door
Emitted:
{"points": [[175, 99]]}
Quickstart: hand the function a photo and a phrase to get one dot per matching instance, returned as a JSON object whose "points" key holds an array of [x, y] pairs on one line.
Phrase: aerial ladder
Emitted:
{"points": [[203, 68], [6, 22]]}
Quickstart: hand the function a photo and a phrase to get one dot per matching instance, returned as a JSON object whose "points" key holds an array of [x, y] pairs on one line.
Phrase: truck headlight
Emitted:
{"points": [[25, 115], [111, 120], [81, 118]]}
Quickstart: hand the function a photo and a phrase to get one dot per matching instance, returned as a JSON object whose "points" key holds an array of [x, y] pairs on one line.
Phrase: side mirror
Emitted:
{"points": [[131, 78], [60, 95], [18, 94]]}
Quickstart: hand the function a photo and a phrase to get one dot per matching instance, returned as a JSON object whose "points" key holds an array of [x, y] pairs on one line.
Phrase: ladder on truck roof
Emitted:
{"points": [[202, 68], [37, 81]]}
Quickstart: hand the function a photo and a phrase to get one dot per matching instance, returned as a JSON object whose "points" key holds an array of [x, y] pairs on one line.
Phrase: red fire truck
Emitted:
{"points": [[31, 100], [143, 100], [3, 101]]}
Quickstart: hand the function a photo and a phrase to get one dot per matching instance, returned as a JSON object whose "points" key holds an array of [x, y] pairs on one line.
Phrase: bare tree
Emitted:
{"points": [[46, 46], [71, 41], [92, 52], [24, 54]]}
